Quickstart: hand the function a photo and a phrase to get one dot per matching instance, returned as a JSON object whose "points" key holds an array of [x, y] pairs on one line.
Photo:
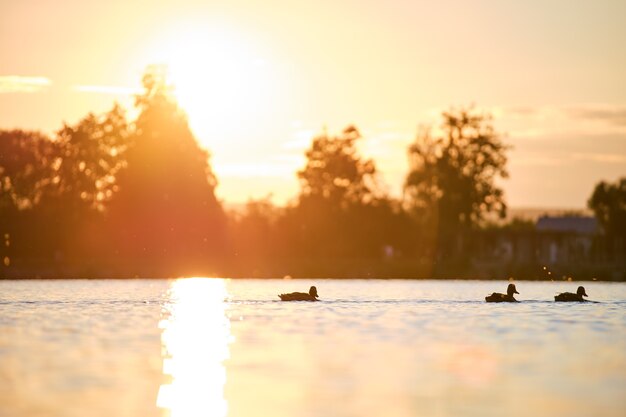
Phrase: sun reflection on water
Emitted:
{"points": [[195, 338]]}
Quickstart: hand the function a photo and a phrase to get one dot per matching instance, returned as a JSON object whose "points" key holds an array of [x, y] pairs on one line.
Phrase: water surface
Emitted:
{"points": [[213, 347]]}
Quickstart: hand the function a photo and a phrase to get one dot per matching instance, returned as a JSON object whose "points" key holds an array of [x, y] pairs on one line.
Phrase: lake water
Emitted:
{"points": [[214, 347]]}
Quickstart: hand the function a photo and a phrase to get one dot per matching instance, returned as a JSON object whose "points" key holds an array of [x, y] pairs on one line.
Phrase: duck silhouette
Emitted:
{"points": [[568, 296], [497, 297], [300, 296]]}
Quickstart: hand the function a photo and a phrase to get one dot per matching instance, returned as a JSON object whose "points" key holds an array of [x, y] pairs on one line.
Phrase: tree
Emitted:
{"points": [[52, 188], [342, 210], [254, 237], [608, 202], [451, 182], [166, 213], [27, 165], [91, 156], [336, 173]]}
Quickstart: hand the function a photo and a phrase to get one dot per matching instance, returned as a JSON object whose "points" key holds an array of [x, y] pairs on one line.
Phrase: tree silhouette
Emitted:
{"points": [[166, 212], [342, 209], [336, 173], [255, 237], [451, 183], [608, 202], [91, 157], [28, 163], [53, 188], [27, 166]]}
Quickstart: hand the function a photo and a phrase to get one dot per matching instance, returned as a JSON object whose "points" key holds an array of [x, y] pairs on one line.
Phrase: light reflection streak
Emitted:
{"points": [[195, 338]]}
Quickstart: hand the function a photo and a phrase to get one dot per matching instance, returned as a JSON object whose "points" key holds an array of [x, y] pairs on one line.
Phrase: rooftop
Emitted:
{"points": [[584, 225]]}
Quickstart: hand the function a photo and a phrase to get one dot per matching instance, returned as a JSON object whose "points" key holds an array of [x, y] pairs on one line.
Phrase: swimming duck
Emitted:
{"points": [[497, 297], [568, 296], [300, 296]]}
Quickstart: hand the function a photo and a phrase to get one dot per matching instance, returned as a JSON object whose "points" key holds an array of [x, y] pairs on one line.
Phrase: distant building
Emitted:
{"points": [[582, 225], [554, 248], [566, 239]]}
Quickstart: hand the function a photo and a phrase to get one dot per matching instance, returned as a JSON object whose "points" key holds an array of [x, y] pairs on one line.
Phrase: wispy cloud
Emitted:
{"points": [[607, 158], [588, 119], [107, 89], [612, 115], [534, 160], [520, 111], [22, 84]]}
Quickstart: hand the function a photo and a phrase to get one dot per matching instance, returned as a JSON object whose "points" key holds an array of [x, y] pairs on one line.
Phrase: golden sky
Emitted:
{"points": [[260, 78]]}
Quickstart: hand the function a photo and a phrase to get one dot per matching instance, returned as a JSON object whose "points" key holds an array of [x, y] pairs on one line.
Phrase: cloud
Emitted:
{"points": [[520, 111], [534, 160], [541, 122], [107, 89], [22, 84], [612, 115], [608, 158]]}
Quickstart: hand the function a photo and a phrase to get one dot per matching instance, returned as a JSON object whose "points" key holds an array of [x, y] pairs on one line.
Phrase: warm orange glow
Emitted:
{"points": [[265, 76], [195, 337], [218, 78]]}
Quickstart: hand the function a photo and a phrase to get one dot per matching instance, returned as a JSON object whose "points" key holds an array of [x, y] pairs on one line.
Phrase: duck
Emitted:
{"points": [[568, 296], [300, 296], [497, 297]]}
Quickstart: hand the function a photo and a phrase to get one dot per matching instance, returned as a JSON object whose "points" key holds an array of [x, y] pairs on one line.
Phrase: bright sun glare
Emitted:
{"points": [[218, 77], [196, 335]]}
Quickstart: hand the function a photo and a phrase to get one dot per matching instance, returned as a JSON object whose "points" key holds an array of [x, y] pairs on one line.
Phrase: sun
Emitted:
{"points": [[219, 79]]}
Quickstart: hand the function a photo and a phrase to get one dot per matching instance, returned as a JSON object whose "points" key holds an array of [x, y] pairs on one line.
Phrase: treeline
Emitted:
{"points": [[109, 197]]}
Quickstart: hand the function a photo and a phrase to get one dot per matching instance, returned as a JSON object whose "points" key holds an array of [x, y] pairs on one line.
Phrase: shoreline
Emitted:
{"points": [[69, 278]]}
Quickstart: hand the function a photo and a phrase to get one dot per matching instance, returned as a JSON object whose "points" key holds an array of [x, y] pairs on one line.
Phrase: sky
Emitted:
{"points": [[260, 78]]}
